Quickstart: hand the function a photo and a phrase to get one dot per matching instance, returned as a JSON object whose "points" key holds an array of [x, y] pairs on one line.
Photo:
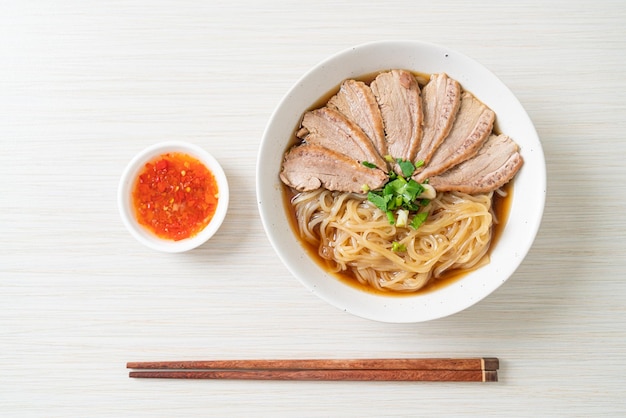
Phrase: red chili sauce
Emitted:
{"points": [[175, 196]]}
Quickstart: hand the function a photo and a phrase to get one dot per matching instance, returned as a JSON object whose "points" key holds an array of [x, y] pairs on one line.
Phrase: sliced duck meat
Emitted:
{"points": [[308, 167], [495, 164], [399, 98], [441, 99], [330, 129], [472, 125], [357, 102]]}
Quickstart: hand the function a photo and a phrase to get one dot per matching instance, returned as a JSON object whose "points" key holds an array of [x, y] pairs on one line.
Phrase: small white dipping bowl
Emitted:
{"points": [[528, 192], [127, 183]]}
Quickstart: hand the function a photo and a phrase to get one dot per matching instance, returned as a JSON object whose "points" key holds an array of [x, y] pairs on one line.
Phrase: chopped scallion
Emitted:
{"points": [[401, 194], [418, 220]]}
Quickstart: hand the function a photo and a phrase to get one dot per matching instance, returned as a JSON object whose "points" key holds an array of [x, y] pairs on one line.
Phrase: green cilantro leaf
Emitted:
{"points": [[406, 167], [377, 200]]}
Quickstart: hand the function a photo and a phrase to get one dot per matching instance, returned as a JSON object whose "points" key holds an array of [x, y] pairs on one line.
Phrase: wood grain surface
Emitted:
{"points": [[84, 85]]}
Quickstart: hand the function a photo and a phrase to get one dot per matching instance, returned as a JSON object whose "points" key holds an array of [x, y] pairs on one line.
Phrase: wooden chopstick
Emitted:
{"points": [[330, 375], [432, 369], [480, 363]]}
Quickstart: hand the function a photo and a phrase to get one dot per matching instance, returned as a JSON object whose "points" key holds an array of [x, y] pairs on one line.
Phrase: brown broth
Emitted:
{"points": [[501, 206]]}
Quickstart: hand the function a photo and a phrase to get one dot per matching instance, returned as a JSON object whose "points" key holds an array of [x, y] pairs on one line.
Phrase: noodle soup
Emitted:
{"points": [[456, 289], [354, 240], [499, 208]]}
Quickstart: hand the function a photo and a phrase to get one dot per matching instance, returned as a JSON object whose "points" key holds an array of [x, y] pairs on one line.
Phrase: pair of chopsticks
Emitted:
{"points": [[394, 369]]}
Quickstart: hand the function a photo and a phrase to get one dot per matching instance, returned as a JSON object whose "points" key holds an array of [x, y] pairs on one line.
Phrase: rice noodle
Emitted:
{"points": [[355, 236]]}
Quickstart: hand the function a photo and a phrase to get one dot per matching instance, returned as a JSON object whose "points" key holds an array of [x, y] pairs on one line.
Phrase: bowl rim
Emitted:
{"points": [[404, 309], [127, 181]]}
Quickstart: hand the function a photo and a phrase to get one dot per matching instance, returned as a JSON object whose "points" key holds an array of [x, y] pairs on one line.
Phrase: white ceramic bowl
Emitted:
{"points": [[528, 196], [125, 197]]}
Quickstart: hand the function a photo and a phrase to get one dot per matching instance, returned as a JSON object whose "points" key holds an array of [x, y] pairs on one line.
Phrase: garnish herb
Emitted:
{"points": [[368, 164], [397, 247], [419, 219], [378, 200], [400, 196], [406, 167]]}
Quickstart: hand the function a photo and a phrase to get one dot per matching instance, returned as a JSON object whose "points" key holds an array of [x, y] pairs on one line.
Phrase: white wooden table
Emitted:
{"points": [[84, 85]]}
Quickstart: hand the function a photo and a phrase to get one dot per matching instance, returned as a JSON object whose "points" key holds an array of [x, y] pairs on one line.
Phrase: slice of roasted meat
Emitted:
{"points": [[308, 167], [441, 99], [330, 129], [399, 98], [357, 102], [470, 130], [495, 164]]}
